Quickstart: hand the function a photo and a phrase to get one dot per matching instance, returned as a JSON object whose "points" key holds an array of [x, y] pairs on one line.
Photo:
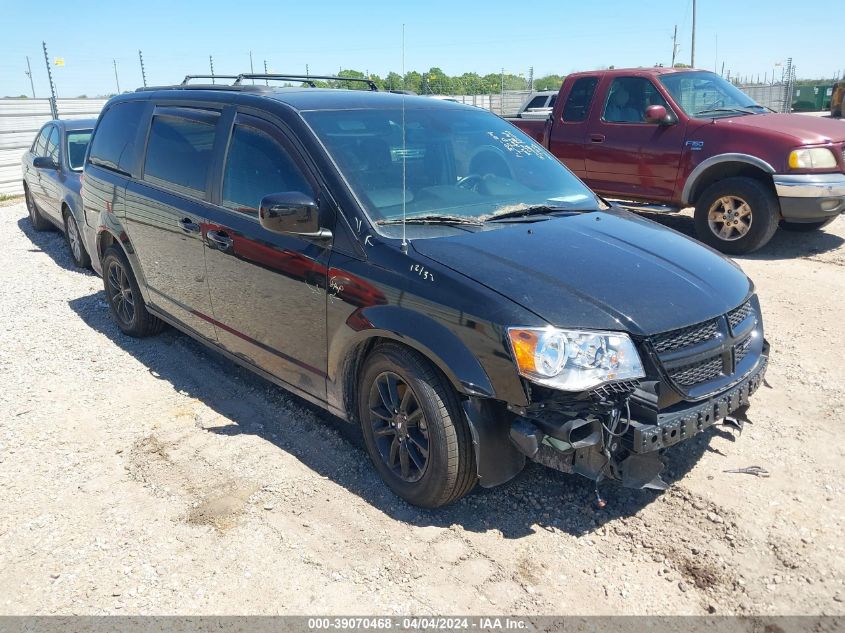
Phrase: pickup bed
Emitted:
{"points": [[666, 139]]}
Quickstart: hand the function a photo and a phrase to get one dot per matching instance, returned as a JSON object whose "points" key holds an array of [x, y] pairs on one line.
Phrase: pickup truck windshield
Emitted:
{"points": [[458, 162], [706, 94]]}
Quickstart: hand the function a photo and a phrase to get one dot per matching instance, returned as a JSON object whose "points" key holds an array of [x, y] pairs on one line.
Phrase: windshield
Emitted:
{"points": [[77, 143], [458, 162], [704, 93]]}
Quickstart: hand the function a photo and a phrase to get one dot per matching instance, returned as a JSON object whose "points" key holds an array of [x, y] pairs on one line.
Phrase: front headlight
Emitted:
{"points": [[574, 360], [815, 158]]}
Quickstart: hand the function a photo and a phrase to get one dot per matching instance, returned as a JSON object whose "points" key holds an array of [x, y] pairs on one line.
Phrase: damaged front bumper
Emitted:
{"points": [[604, 441]]}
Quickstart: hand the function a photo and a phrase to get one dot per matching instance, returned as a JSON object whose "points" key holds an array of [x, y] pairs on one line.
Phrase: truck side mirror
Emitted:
{"points": [[658, 114]]}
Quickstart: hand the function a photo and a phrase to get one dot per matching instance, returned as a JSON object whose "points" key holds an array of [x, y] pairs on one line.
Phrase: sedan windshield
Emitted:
{"points": [[77, 143], [459, 162], [708, 95]]}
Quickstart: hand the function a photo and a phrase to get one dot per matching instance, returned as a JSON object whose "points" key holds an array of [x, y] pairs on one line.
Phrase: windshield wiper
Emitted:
{"points": [[737, 109], [538, 209], [430, 219]]}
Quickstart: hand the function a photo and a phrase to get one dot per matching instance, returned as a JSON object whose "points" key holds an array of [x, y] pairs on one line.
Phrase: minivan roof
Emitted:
{"points": [[301, 98]]}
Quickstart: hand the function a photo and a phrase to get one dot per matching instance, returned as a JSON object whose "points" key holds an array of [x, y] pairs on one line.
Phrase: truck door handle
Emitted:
{"points": [[596, 138], [189, 226], [219, 240]]}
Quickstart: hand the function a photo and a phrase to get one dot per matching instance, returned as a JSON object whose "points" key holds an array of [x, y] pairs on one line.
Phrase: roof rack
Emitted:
{"points": [[188, 78], [307, 79]]}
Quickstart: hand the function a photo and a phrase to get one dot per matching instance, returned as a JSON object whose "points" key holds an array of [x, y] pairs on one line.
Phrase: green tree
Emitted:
{"points": [[394, 81], [413, 81], [549, 82]]}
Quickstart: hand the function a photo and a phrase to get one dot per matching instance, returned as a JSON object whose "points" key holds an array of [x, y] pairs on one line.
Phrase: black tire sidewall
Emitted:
{"points": [[765, 213], [135, 328], [35, 218], [83, 260], [429, 490]]}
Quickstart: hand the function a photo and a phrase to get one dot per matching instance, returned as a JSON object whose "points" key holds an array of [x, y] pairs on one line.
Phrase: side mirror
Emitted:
{"points": [[292, 213], [44, 162], [658, 114]]}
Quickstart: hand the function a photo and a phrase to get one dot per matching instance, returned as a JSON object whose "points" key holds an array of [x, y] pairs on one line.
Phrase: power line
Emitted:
{"points": [[116, 80]]}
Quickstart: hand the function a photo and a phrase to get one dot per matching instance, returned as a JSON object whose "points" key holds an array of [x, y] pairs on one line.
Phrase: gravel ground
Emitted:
{"points": [[154, 477]]}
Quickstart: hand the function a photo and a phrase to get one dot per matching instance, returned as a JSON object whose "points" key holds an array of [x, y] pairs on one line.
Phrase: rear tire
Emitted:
{"points": [[123, 295], [73, 239], [412, 421], [805, 227], [35, 217], [736, 215]]}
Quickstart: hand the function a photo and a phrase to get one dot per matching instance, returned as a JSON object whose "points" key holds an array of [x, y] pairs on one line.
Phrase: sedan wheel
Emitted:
{"points": [[38, 222], [74, 242]]}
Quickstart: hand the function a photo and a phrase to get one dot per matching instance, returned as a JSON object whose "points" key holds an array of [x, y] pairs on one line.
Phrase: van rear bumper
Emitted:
{"points": [[810, 197]]}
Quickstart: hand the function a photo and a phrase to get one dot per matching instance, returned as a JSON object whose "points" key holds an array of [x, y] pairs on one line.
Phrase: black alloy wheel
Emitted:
{"points": [[399, 427]]}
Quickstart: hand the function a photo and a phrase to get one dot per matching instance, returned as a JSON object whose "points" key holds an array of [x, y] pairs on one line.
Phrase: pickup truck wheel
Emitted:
{"points": [[414, 428], [124, 297], [74, 241], [805, 227], [35, 217], [736, 215]]}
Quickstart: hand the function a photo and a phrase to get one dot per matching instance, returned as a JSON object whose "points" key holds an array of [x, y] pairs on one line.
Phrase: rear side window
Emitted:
{"points": [[258, 165], [580, 97], [113, 146], [537, 102], [40, 145], [179, 153]]}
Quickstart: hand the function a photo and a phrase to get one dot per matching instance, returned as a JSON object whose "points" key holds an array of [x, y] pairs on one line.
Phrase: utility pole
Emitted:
{"points": [[29, 74], [692, 53], [211, 64], [114, 63], [307, 71], [531, 79], [143, 72], [502, 102], [251, 71], [54, 109], [266, 83], [674, 45]]}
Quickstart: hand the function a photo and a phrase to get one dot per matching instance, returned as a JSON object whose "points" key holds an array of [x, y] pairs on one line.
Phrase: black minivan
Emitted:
{"points": [[423, 269]]}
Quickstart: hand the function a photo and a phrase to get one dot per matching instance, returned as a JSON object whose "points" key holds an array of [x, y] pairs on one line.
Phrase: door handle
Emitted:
{"points": [[219, 240], [189, 226], [597, 138]]}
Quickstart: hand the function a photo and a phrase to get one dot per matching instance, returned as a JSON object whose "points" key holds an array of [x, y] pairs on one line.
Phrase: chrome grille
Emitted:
{"points": [[685, 337], [697, 373], [738, 315]]}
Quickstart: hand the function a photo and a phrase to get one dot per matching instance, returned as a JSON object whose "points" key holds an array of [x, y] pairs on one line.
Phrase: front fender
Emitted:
{"points": [[422, 333]]}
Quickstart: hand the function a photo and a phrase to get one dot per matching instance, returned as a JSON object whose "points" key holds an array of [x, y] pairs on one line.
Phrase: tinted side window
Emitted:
{"points": [[628, 99], [580, 97], [113, 145], [52, 149], [257, 165], [40, 146], [179, 152], [537, 102]]}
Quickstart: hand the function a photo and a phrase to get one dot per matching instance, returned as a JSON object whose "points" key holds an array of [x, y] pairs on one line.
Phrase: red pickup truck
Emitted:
{"points": [[673, 138]]}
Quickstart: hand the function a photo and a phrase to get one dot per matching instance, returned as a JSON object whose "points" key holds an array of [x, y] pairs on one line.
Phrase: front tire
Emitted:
{"points": [[736, 215], [35, 217], [414, 428], [805, 227], [75, 244], [124, 297]]}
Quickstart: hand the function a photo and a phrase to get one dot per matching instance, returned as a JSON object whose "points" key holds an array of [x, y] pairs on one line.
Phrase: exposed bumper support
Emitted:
{"points": [[584, 446], [810, 197]]}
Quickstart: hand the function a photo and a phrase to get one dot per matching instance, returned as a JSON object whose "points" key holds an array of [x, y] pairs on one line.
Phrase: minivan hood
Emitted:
{"points": [[799, 129], [603, 270]]}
